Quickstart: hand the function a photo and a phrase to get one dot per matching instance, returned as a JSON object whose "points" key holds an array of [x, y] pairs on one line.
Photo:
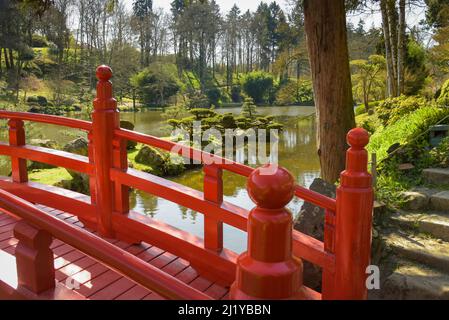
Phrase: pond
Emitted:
{"points": [[297, 153]]}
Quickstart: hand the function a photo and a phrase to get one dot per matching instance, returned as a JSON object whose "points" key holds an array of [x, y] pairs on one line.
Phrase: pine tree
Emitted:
{"points": [[249, 108]]}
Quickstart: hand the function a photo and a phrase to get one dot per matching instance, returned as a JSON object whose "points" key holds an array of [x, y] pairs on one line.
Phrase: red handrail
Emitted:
{"points": [[101, 250], [226, 164], [49, 119]]}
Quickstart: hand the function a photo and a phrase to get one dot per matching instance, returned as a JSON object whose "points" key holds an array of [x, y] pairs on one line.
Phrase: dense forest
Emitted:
{"points": [[197, 51]]}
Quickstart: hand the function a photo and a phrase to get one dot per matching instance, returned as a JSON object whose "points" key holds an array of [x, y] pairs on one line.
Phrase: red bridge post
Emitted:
{"points": [[213, 192], [353, 222], [105, 119], [268, 269], [17, 139], [34, 258]]}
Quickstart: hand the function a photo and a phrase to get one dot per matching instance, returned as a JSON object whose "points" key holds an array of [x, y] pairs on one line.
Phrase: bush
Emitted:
{"points": [[198, 100], [258, 85], [393, 109], [236, 94], [405, 130], [443, 98], [228, 121], [440, 154], [360, 110], [40, 100], [155, 85], [214, 96], [293, 92], [202, 113], [32, 100]]}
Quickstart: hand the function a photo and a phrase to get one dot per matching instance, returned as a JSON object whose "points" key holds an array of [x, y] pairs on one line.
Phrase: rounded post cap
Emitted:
{"points": [[358, 138], [104, 73], [271, 187]]}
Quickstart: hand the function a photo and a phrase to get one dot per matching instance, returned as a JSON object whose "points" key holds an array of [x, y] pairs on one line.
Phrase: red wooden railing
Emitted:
{"points": [[270, 269]]}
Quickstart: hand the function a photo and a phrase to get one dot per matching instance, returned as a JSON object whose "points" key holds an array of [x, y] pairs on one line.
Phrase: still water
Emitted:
{"points": [[296, 153]]}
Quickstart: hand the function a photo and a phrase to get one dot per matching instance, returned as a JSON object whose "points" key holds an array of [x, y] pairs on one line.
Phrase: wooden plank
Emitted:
{"points": [[201, 283], [95, 284], [74, 268], [216, 291], [176, 266], [113, 290], [163, 260], [8, 243], [153, 296], [68, 258], [135, 293], [187, 275]]}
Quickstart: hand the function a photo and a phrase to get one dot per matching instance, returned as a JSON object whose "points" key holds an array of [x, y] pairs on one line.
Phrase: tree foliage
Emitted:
{"points": [[155, 85], [258, 85]]}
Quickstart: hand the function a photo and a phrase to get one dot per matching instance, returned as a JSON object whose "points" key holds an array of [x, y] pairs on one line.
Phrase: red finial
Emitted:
{"points": [[271, 187], [104, 73], [358, 138]]}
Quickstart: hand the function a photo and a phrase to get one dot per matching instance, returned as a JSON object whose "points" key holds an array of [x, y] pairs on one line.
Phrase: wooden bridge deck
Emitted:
{"points": [[98, 282]]}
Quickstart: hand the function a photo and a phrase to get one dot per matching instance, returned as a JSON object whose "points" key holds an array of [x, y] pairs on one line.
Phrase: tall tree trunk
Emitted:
{"points": [[325, 25], [393, 21], [401, 47], [11, 58], [8, 66], [388, 52]]}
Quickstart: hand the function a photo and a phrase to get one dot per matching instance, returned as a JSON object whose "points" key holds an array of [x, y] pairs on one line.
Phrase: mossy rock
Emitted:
{"points": [[76, 184], [150, 157], [174, 165], [79, 146], [127, 125]]}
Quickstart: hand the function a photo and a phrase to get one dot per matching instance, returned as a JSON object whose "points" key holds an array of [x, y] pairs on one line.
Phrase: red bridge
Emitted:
{"points": [[58, 244]]}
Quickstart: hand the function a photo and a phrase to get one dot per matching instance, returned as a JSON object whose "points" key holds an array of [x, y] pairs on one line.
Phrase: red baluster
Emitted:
{"points": [[120, 161], [105, 119], [213, 192], [34, 258], [329, 247], [268, 269], [353, 221], [92, 183], [17, 139]]}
